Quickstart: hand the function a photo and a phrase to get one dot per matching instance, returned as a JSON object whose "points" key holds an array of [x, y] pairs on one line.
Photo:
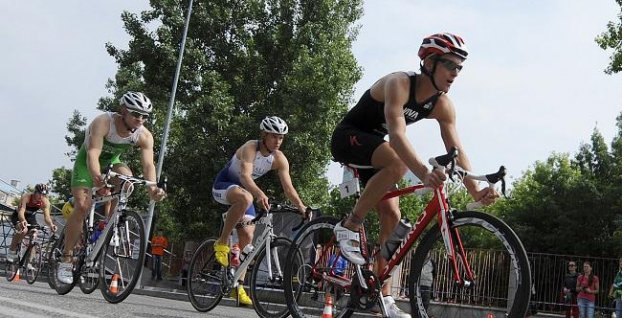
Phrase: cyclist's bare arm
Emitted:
{"points": [[282, 167], [21, 211], [246, 154], [396, 90], [145, 142], [97, 131], [47, 217]]}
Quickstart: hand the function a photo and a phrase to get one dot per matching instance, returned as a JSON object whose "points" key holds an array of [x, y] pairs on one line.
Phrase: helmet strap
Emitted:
{"points": [[130, 129], [429, 74], [263, 141]]}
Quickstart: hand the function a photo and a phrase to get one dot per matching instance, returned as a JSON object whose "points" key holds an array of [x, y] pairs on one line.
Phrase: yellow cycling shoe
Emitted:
{"points": [[242, 296], [222, 253]]}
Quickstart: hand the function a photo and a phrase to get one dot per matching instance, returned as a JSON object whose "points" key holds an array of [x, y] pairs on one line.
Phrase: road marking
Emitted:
{"points": [[41, 307]]}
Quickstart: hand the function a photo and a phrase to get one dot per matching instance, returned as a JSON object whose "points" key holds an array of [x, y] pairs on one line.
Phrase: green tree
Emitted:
{"points": [[569, 206], [244, 60], [612, 39]]}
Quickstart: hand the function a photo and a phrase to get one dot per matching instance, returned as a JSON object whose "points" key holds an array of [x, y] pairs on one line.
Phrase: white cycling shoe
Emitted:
{"points": [[393, 311], [64, 273], [350, 244]]}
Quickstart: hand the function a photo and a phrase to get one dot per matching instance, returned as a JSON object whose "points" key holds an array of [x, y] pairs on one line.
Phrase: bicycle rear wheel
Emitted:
{"points": [[311, 272], [205, 278], [123, 255], [496, 257], [267, 291], [33, 262]]}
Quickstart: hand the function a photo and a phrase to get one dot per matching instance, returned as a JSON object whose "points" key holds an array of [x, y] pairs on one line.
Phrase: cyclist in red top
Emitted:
{"points": [[24, 217], [392, 102]]}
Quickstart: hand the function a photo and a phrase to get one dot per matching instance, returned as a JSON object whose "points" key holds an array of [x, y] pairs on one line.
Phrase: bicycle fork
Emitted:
{"points": [[453, 246]]}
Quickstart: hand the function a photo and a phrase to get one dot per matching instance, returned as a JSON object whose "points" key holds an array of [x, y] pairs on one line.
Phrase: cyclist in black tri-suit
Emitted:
{"points": [[24, 219], [394, 101]]}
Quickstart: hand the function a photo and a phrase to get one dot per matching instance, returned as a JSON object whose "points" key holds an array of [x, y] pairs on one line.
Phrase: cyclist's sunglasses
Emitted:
{"points": [[139, 115], [449, 64]]}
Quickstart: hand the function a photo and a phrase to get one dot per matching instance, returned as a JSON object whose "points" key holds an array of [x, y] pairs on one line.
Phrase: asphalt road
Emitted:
{"points": [[38, 300]]}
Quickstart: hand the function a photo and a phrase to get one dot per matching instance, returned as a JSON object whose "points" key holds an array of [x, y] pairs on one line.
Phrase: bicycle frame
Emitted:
{"points": [[264, 239], [438, 206], [126, 188]]}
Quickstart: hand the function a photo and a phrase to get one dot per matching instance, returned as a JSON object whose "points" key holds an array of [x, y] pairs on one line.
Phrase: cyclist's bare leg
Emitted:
{"points": [[391, 170], [240, 200], [81, 203], [122, 169], [16, 240], [245, 236], [389, 215]]}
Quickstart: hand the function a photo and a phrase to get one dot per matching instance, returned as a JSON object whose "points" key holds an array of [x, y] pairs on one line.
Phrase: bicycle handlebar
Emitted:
{"points": [[109, 173], [286, 208], [448, 162]]}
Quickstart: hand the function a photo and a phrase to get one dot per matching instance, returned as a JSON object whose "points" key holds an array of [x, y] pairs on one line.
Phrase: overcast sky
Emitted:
{"points": [[533, 83]]}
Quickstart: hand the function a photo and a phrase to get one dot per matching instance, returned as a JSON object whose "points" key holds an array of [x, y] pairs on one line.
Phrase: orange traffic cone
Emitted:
{"points": [[114, 284], [16, 278], [328, 306], [490, 315]]}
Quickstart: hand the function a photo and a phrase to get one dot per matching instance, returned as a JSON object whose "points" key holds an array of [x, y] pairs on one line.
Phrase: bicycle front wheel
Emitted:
{"points": [[123, 255], [311, 272], [267, 280], [33, 263], [55, 257], [205, 278], [500, 280], [11, 268]]}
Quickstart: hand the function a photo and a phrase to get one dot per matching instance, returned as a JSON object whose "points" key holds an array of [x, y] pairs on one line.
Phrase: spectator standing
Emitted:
{"points": [[158, 244], [587, 286], [569, 290], [615, 292], [428, 274]]}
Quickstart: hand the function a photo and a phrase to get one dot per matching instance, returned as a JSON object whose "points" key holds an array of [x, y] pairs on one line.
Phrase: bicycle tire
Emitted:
{"points": [[305, 294], [11, 267], [50, 272], [35, 260], [511, 267], [55, 257], [89, 277], [267, 292], [122, 258], [205, 278]]}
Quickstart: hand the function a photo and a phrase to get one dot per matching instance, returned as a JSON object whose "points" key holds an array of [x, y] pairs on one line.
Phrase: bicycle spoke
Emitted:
{"points": [[205, 277], [500, 280], [123, 256], [314, 277]]}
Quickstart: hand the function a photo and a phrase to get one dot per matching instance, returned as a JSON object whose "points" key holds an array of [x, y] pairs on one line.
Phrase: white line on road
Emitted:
{"points": [[42, 307]]}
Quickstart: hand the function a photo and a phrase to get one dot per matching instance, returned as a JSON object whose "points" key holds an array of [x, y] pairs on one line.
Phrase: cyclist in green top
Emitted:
{"points": [[107, 137]]}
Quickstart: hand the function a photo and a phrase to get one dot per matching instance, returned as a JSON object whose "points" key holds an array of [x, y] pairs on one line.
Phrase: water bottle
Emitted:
{"points": [[95, 235], [247, 250], [394, 241], [235, 255]]}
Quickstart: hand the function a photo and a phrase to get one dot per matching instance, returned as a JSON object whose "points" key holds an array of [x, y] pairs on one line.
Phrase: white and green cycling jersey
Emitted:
{"points": [[114, 146]]}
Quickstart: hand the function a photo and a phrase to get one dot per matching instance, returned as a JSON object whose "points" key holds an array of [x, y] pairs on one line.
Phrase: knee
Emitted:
{"points": [[397, 169], [81, 206], [246, 198]]}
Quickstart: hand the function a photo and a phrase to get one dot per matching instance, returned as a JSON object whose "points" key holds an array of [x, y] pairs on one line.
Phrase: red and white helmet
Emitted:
{"points": [[136, 101], [443, 43]]}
